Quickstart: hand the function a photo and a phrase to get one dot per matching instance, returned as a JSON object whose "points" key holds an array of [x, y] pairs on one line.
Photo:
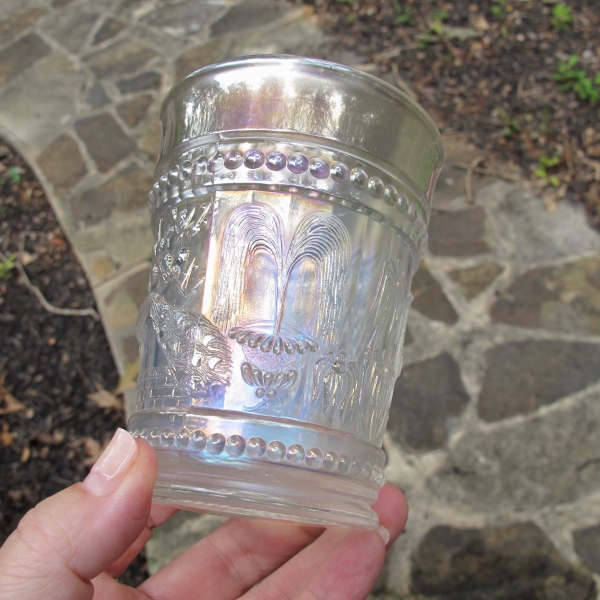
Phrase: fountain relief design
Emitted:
{"points": [[274, 349]]}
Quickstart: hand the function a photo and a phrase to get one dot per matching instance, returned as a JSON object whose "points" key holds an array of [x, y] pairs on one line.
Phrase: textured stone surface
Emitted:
{"points": [[200, 56], [120, 58], [19, 21], [97, 96], [105, 141], [36, 106], [127, 191], [71, 27], [183, 18], [177, 535], [426, 396], [565, 298], [133, 111], [109, 29], [476, 279], [62, 163], [458, 233], [250, 14], [515, 562], [523, 376], [144, 81], [149, 136], [122, 302], [21, 55], [429, 299], [544, 461], [527, 231], [587, 546]]}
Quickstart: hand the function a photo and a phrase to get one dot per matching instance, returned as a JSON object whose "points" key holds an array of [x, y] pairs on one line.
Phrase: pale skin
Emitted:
{"points": [[72, 545]]}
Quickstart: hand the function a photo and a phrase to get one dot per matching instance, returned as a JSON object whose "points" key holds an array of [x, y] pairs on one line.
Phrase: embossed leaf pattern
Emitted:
{"points": [[195, 349], [335, 389], [173, 258]]}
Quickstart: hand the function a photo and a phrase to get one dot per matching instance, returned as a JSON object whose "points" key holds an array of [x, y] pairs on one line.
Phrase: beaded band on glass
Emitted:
{"points": [[236, 446], [177, 183]]}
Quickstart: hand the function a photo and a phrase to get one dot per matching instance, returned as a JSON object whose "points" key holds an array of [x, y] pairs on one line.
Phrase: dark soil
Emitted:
{"points": [[48, 363], [499, 87]]}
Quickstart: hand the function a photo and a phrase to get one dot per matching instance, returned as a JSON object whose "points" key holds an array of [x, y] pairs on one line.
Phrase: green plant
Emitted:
{"points": [[570, 79], [511, 126], [426, 39], [545, 163], [404, 16], [562, 18], [498, 9], [439, 14], [7, 265], [14, 174]]}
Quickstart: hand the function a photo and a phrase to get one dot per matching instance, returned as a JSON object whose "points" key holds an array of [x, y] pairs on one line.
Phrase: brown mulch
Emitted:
{"points": [[51, 430], [499, 86]]}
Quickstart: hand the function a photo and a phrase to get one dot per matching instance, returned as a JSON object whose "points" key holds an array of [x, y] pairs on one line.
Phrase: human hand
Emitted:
{"points": [[72, 545]]}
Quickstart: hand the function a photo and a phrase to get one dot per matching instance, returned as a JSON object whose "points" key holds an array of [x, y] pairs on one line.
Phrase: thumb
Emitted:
{"points": [[72, 537]]}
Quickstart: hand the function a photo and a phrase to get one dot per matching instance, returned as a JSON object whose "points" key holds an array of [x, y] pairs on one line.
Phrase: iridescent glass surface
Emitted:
{"points": [[290, 213]]}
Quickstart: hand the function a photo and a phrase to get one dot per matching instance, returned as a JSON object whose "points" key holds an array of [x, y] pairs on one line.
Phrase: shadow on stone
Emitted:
{"points": [[565, 298], [587, 546], [517, 562], [426, 395], [429, 298], [523, 376]]}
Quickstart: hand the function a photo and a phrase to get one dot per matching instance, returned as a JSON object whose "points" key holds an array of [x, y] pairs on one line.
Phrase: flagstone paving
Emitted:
{"points": [[494, 432]]}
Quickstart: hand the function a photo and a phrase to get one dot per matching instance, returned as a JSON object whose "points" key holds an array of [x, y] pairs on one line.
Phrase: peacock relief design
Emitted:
{"points": [[196, 351]]}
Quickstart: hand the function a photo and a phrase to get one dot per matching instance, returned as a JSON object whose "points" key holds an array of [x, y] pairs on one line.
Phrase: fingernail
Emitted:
{"points": [[107, 473], [384, 533]]}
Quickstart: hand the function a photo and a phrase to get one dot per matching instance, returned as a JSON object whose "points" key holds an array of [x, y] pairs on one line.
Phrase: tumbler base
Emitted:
{"points": [[264, 491], [224, 462]]}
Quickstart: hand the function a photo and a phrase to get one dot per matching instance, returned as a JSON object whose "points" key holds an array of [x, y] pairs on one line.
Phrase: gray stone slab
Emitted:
{"points": [[458, 233], [71, 27], [119, 301], [200, 56], [134, 111], [517, 561], [293, 33], [429, 298], [127, 191], [545, 461], [21, 55], [97, 96], [565, 298], [109, 29], [121, 58], [18, 21], [104, 139], [36, 108], [250, 14], [62, 163], [523, 376], [426, 395], [526, 231], [474, 280], [150, 80], [184, 18], [587, 546]]}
